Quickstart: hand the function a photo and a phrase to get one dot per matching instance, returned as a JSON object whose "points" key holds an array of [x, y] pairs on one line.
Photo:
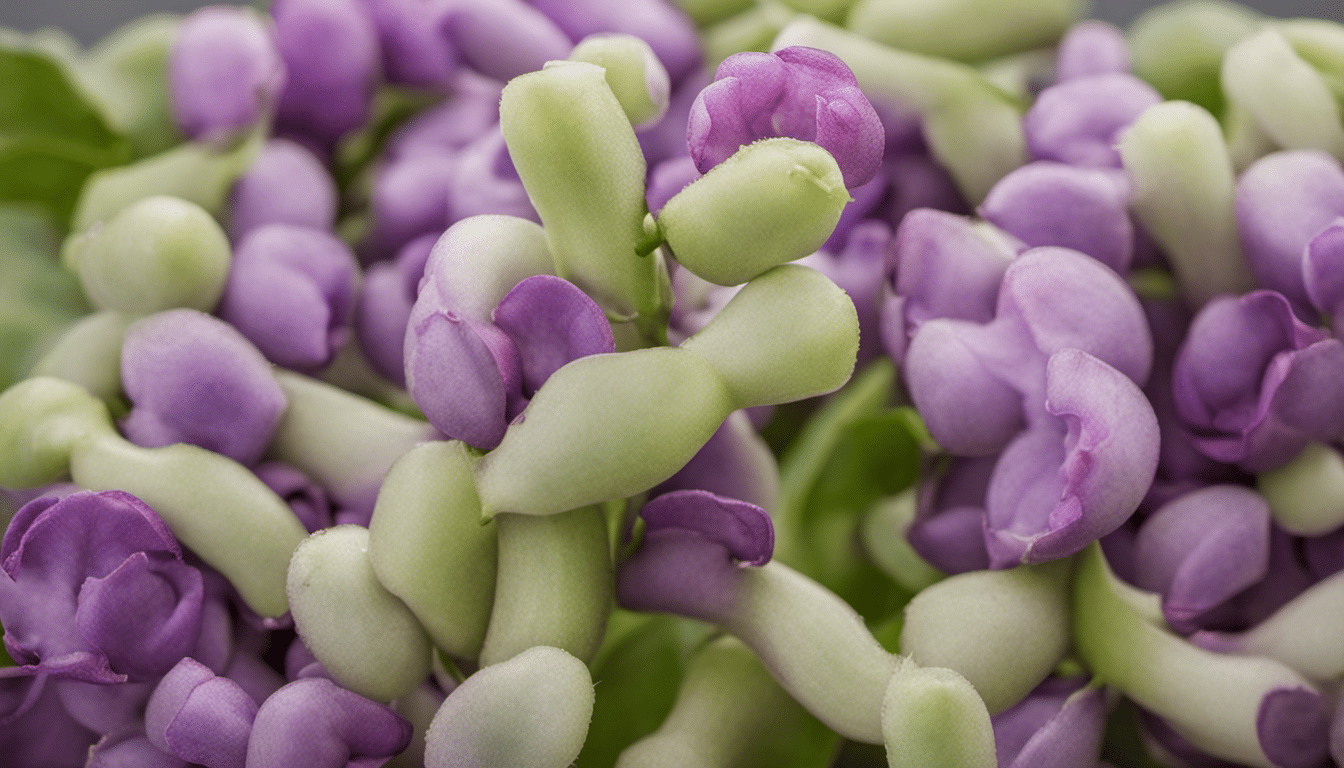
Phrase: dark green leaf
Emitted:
{"points": [[875, 456]]}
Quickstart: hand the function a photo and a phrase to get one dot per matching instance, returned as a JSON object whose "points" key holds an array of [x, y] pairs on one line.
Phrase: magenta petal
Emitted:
{"points": [[314, 723], [1079, 121], [743, 528], [717, 126], [848, 128], [453, 375], [200, 718], [1293, 725], [551, 322], [1202, 548]]}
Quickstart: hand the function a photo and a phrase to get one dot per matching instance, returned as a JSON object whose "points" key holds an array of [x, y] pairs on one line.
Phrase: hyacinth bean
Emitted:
{"points": [[553, 586], [338, 728], [428, 547], [1288, 99], [158, 253], [932, 716], [366, 638], [969, 30], [199, 716], [1183, 191], [1307, 633], [730, 713], [1248, 709], [576, 154], [1306, 495], [531, 711], [774, 201], [225, 73], [633, 73], [89, 354], [972, 128], [1001, 630]]}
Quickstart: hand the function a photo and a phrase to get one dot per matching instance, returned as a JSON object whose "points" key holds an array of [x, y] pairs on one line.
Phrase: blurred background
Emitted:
{"points": [[89, 20]]}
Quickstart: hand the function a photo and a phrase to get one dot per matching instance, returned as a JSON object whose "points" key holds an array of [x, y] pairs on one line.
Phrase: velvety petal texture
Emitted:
{"points": [[1058, 725], [330, 49], [384, 307], [291, 292], [485, 182], [199, 717], [225, 73], [286, 184], [503, 39], [1323, 273], [194, 379], [798, 92], [415, 49], [409, 198], [470, 109], [313, 722], [1080, 120]]}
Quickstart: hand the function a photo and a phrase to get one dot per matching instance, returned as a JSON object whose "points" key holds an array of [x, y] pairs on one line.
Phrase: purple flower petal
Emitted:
{"points": [[735, 463], [1058, 725], [130, 751], [224, 72], [504, 38], [313, 722], [1199, 550], [667, 179], [918, 182], [1079, 121], [308, 499], [384, 307], [199, 717], [455, 122], [39, 733], [415, 51], [286, 184], [1293, 725], [409, 199], [858, 270], [1091, 48], [953, 540], [668, 31], [862, 205], [743, 528], [104, 708], [1323, 273], [680, 572], [194, 379], [453, 373], [551, 322], [1086, 209], [485, 182], [330, 48]]}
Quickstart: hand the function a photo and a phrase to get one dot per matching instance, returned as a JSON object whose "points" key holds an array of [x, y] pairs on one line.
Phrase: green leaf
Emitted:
{"points": [[37, 297], [875, 456]]}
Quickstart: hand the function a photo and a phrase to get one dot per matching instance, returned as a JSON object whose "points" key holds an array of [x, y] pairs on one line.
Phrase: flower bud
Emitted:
{"points": [[225, 72]]}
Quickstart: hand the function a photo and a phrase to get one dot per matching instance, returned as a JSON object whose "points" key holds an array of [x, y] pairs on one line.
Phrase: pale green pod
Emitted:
{"points": [[730, 713], [751, 30], [554, 587], [1183, 189], [816, 646], [1179, 47], [1306, 495], [967, 30], [582, 167], [127, 73], [1246, 139], [1307, 633], [428, 547], [159, 253], [481, 258], [1212, 699], [1320, 43], [368, 640], [604, 427], [931, 716], [1288, 98], [344, 441], [42, 421], [633, 72], [1001, 630], [772, 202], [213, 504], [418, 707], [193, 171], [531, 711], [884, 536], [789, 334], [89, 354], [705, 12], [973, 129]]}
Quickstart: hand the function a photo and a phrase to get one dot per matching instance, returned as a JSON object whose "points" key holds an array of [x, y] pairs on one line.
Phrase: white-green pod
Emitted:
{"points": [[554, 587], [428, 547], [368, 640], [159, 253], [729, 713], [1307, 633], [1212, 699], [1289, 99], [604, 427], [973, 129], [1306, 495], [582, 167], [967, 30], [884, 536], [789, 334], [772, 202], [1001, 630], [1179, 47], [634, 74], [127, 73], [89, 354], [481, 258], [932, 716], [343, 441], [192, 171], [816, 646], [1183, 189], [531, 711], [418, 707], [751, 30], [42, 421]]}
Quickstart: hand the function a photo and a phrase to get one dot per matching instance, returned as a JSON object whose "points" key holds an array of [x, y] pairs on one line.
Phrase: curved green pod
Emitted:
{"points": [[43, 420], [604, 427], [428, 547], [89, 354], [932, 716], [634, 74], [772, 202], [1287, 97], [367, 639], [789, 334], [967, 30]]}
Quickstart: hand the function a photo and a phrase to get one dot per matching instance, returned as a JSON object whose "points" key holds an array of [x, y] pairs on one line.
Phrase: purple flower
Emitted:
{"points": [[224, 72], [130, 750], [35, 729], [409, 199], [802, 93], [95, 589], [199, 717], [313, 722], [949, 529], [1079, 121], [1058, 725], [415, 50], [504, 38], [194, 379], [286, 184], [668, 31], [1322, 275], [330, 48], [858, 269], [384, 307], [917, 181], [1091, 48], [308, 499], [470, 110], [667, 179], [1254, 384], [486, 182], [291, 292], [735, 463]]}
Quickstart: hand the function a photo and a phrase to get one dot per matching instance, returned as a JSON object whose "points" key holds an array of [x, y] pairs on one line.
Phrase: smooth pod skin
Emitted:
{"points": [[89, 354], [634, 73], [529, 712], [772, 202], [367, 639], [932, 716], [969, 30], [42, 420], [428, 547]]}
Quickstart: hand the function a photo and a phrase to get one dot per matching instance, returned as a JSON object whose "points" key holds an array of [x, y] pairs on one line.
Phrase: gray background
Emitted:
{"points": [[89, 20]]}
